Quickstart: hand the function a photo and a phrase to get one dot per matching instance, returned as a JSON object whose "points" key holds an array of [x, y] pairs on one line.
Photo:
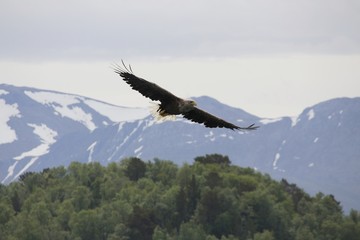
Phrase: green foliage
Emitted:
{"points": [[133, 199], [266, 235], [135, 168], [190, 230], [213, 159]]}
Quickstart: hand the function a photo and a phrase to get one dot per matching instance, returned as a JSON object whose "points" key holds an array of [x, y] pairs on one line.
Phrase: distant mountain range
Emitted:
{"points": [[319, 150]]}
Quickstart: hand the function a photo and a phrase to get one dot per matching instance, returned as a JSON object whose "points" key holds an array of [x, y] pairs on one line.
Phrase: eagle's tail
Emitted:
{"points": [[160, 114]]}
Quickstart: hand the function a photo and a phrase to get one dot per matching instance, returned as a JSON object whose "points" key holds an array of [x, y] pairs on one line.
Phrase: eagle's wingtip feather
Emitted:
{"points": [[121, 69], [250, 127]]}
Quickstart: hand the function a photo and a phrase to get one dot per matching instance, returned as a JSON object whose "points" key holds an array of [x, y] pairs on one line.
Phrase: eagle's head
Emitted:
{"points": [[191, 102], [187, 105]]}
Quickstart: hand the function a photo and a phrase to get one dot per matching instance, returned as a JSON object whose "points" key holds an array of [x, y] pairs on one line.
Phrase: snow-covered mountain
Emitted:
{"points": [[318, 150], [44, 128]]}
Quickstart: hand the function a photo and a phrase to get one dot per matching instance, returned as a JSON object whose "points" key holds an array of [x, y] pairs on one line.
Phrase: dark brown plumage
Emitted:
{"points": [[173, 105]]}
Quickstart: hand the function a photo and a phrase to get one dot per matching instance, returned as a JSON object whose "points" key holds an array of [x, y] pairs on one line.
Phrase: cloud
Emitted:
{"points": [[43, 29]]}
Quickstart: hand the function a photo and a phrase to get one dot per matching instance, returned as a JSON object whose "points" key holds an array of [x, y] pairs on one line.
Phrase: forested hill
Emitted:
{"points": [[133, 199]]}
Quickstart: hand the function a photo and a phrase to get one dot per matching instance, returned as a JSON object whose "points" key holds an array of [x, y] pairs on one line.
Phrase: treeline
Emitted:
{"points": [[133, 199]]}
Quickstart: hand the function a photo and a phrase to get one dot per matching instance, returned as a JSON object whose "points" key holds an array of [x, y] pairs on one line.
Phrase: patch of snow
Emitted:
{"points": [[282, 144], [316, 139], [223, 135], [121, 124], [311, 165], [153, 121], [105, 123], [294, 121], [138, 149], [47, 98], [46, 134], [341, 111], [62, 105], [329, 117], [311, 114], [149, 123], [3, 92], [296, 157], [339, 124], [91, 151], [31, 162], [124, 141], [212, 139], [269, 120], [116, 113], [140, 139], [127, 137], [78, 115], [239, 120], [47, 138], [231, 137], [277, 157], [210, 134], [10, 172], [7, 134]]}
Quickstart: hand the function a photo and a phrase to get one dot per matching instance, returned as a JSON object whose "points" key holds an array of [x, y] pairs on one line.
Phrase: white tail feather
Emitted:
{"points": [[159, 115]]}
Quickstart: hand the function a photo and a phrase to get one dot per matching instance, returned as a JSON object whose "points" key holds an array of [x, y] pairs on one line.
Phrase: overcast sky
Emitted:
{"points": [[270, 58]]}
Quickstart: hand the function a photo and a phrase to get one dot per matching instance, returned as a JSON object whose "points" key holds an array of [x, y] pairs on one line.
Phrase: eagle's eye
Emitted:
{"points": [[193, 103]]}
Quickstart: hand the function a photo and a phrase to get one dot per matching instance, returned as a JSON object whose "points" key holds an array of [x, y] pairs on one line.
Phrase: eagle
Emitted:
{"points": [[171, 105]]}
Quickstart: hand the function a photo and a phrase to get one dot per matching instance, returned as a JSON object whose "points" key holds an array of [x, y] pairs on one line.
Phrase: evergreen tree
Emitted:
{"points": [[135, 168]]}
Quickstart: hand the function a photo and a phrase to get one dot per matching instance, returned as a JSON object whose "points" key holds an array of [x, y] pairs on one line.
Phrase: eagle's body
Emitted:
{"points": [[171, 105], [176, 107]]}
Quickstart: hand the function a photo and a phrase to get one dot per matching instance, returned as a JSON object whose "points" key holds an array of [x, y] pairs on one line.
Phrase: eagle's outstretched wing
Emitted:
{"points": [[200, 116], [156, 93], [146, 88]]}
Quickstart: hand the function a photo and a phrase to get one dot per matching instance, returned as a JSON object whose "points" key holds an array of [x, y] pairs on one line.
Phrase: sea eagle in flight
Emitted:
{"points": [[171, 105]]}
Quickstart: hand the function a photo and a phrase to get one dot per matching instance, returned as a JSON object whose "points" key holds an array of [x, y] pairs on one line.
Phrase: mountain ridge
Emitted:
{"points": [[53, 128]]}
